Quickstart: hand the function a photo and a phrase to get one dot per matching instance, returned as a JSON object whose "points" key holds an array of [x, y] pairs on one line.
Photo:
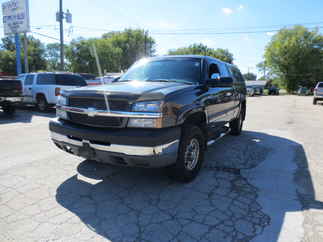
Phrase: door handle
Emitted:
{"points": [[29, 88]]}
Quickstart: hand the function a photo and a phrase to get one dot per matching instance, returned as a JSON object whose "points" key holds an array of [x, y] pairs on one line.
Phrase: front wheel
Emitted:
{"points": [[42, 104], [190, 155]]}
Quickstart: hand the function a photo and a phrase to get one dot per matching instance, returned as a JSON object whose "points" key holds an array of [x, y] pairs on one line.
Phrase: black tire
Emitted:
{"points": [[314, 101], [9, 109], [237, 123], [42, 104], [186, 170]]}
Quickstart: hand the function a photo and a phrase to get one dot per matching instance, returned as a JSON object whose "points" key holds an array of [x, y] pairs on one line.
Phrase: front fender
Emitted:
{"points": [[187, 111]]}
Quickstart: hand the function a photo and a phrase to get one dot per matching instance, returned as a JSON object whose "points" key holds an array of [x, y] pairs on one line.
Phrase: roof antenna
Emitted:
{"points": [[95, 54]]}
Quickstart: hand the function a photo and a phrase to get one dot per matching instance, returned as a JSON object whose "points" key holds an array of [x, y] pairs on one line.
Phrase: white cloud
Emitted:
{"points": [[227, 11], [270, 33], [241, 7]]}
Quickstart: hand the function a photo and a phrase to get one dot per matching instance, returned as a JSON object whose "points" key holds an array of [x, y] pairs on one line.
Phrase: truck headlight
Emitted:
{"points": [[150, 106], [62, 101]]}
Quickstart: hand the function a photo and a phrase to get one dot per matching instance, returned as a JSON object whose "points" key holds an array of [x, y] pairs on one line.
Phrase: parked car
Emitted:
{"points": [[318, 93], [102, 80], [273, 90], [87, 76], [44, 88], [10, 94], [303, 91], [163, 112]]}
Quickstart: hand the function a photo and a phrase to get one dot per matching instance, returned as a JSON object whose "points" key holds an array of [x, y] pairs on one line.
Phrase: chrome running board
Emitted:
{"points": [[211, 142]]}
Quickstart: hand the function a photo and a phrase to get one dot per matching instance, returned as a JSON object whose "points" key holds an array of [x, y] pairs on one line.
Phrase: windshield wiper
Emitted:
{"points": [[169, 80]]}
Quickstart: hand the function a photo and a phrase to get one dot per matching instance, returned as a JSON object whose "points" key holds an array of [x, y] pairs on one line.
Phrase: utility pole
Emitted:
{"points": [[145, 43], [61, 33], [265, 69], [60, 16]]}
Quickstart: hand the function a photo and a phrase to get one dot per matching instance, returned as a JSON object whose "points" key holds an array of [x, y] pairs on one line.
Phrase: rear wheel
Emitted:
{"points": [[190, 155], [314, 101], [237, 123], [42, 104]]}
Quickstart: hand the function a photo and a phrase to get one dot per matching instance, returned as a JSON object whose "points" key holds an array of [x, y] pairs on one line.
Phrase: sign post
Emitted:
{"points": [[18, 57], [15, 21]]}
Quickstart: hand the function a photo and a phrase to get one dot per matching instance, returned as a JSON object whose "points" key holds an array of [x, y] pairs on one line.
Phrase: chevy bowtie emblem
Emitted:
{"points": [[91, 112]]}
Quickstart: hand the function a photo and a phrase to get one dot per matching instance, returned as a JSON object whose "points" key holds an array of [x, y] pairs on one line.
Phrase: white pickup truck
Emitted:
{"points": [[44, 88], [318, 93]]}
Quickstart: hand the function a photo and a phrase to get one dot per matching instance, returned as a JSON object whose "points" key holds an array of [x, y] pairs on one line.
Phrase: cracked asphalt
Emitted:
{"points": [[265, 185]]}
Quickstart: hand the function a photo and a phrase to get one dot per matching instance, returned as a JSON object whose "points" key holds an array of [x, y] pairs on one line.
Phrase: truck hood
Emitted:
{"points": [[134, 89]]}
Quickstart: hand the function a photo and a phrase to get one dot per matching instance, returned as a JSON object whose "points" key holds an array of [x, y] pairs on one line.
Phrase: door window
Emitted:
{"points": [[45, 79], [213, 69], [29, 80]]}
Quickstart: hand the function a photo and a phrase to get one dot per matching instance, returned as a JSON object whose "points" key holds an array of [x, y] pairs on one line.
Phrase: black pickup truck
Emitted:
{"points": [[163, 112], [10, 94]]}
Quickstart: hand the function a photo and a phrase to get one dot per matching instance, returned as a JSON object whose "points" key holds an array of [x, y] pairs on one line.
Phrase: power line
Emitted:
{"points": [[45, 35], [222, 33]]}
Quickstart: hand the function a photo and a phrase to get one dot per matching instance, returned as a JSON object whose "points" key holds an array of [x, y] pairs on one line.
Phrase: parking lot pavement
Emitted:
{"points": [[265, 185]]}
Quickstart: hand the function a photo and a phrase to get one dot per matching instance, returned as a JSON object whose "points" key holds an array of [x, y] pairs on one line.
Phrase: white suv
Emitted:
{"points": [[318, 93], [44, 88]]}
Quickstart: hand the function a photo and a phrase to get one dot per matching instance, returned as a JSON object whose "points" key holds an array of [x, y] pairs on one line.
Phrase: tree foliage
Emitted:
{"points": [[36, 55], [200, 49], [250, 76], [116, 51], [295, 55]]}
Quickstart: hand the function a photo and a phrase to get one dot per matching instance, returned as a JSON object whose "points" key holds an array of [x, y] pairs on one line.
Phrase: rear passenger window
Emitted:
{"points": [[46, 79], [29, 80], [320, 85], [69, 80]]}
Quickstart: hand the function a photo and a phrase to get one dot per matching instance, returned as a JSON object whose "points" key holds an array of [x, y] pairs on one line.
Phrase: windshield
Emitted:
{"points": [[179, 70]]}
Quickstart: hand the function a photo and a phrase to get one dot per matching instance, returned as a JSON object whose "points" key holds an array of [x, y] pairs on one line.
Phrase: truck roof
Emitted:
{"points": [[188, 56]]}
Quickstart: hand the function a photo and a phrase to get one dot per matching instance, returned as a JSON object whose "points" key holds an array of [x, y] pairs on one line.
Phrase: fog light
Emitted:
{"points": [[142, 123]]}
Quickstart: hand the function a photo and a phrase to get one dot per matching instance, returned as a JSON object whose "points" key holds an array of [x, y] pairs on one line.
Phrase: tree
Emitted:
{"points": [[134, 44], [53, 56], [250, 76], [36, 55], [117, 51], [200, 49], [295, 56]]}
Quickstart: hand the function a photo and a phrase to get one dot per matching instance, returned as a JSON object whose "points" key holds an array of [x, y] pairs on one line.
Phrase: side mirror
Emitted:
{"points": [[215, 76], [220, 82]]}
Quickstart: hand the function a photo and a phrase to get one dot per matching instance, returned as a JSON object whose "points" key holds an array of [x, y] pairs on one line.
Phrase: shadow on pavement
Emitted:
{"points": [[24, 115], [222, 204]]}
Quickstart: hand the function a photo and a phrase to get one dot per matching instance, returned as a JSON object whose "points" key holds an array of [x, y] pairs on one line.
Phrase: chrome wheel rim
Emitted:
{"points": [[192, 154]]}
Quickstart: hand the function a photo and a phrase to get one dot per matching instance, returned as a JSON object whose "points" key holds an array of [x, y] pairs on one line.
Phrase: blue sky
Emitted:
{"points": [[92, 18]]}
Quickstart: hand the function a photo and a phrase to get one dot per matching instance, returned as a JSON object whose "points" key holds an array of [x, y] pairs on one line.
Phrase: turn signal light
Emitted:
{"points": [[57, 91]]}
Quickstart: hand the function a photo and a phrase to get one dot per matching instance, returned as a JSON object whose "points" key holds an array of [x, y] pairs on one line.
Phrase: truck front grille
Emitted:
{"points": [[98, 121], [97, 101]]}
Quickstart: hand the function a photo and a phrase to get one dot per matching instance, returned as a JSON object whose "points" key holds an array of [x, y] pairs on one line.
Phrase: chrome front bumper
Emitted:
{"points": [[11, 99], [126, 155]]}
